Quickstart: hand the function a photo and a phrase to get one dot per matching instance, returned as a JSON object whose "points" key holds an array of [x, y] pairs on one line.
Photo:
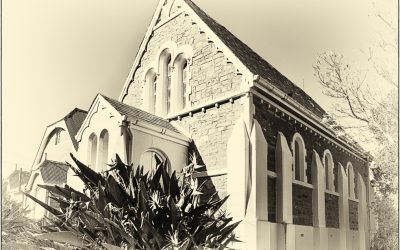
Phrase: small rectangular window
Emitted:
{"points": [[57, 137]]}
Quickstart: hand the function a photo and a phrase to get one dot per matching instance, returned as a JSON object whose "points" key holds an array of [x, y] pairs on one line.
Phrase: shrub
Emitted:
{"points": [[17, 230], [125, 208]]}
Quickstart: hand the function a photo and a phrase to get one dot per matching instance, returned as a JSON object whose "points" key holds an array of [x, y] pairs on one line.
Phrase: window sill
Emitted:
{"points": [[304, 184], [353, 199], [332, 193]]}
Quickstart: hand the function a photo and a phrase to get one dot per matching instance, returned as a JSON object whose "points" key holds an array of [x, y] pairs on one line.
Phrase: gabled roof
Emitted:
{"points": [[256, 64], [13, 178], [73, 121], [139, 114], [53, 172], [249, 59]]}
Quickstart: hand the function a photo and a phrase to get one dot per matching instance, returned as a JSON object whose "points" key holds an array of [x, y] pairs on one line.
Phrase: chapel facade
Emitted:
{"points": [[196, 89]]}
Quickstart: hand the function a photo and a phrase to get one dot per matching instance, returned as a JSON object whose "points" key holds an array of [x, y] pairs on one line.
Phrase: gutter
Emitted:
{"points": [[308, 115]]}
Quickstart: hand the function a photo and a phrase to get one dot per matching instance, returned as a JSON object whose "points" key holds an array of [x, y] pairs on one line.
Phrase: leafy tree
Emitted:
{"points": [[125, 208]]}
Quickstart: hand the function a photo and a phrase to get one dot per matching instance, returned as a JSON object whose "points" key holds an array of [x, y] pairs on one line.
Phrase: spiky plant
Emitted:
{"points": [[126, 208]]}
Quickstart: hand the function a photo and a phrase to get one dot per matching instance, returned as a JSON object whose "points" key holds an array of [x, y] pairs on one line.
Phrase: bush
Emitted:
{"points": [[17, 230], [125, 208], [386, 236]]}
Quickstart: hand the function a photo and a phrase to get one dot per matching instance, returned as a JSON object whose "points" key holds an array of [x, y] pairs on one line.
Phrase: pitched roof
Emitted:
{"points": [[14, 180], [256, 64], [54, 172], [73, 121], [139, 114]]}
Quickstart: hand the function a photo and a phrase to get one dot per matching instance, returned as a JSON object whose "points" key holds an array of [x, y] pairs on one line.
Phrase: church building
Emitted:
{"points": [[196, 89]]}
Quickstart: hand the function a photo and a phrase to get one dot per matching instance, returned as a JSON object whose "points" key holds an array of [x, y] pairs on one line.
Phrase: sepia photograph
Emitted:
{"points": [[199, 124]]}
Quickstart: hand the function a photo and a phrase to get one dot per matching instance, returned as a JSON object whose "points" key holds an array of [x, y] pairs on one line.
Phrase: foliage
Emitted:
{"points": [[365, 101], [17, 229], [125, 208], [386, 237], [364, 114]]}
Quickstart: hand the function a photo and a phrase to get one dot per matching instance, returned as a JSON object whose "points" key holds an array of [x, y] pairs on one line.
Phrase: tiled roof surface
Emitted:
{"points": [[256, 64], [73, 122], [54, 172], [13, 179], [139, 114]]}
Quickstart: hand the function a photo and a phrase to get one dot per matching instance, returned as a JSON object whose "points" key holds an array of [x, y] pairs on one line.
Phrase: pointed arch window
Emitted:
{"points": [[92, 150], [163, 105], [299, 158], [185, 82], [350, 176], [329, 166], [150, 97], [181, 82], [103, 150]]}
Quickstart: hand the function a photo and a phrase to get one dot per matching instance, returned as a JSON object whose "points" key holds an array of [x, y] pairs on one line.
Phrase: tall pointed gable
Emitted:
{"points": [[247, 62], [256, 64]]}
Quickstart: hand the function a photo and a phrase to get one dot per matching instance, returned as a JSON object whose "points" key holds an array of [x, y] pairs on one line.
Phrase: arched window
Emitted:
{"points": [[299, 158], [92, 150], [163, 105], [151, 158], [328, 165], [181, 82], [350, 176], [185, 83], [103, 150], [150, 97]]}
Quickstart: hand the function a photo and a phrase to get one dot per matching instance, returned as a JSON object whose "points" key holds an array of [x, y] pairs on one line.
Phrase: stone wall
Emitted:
{"points": [[331, 210], [211, 74], [353, 214], [271, 199], [272, 123], [210, 131], [302, 205], [213, 184]]}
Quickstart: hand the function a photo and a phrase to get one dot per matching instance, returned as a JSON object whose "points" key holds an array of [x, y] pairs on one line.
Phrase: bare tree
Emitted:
{"points": [[365, 103]]}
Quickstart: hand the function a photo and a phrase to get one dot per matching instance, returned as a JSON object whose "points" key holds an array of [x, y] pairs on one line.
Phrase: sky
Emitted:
{"points": [[57, 55]]}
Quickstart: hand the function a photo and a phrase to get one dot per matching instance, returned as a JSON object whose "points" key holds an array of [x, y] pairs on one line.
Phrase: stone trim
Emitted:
{"points": [[207, 105], [170, 18]]}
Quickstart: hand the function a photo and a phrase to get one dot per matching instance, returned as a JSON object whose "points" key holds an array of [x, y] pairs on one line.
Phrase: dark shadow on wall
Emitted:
{"points": [[206, 181]]}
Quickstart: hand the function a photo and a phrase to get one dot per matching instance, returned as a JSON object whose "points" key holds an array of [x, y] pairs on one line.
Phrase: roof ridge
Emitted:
{"points": [[74, 111], [58, 162]]}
